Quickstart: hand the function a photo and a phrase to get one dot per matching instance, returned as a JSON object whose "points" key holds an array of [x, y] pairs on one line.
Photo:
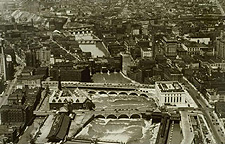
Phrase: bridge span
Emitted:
{"points": [[108, 86]]}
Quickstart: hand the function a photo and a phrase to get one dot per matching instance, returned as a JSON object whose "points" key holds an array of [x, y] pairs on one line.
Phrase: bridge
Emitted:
{"points": [[107, 86], [120, 113], [131, 93], [108, 113]]}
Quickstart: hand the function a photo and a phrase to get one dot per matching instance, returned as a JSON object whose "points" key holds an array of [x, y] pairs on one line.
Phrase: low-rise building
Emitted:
{"points": [[172, 74], [28, 71], [75, 99], [59, 128], [9, 134], [30, 81], [13, 114], [17, 97]]}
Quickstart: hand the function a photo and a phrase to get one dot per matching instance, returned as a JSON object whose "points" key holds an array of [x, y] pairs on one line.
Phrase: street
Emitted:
{"points": [[206, 112], [11, 84], [72, 54]]}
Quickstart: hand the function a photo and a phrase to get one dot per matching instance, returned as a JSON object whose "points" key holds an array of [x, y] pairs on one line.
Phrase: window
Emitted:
{"points": [[180, 99], [165, 99]]}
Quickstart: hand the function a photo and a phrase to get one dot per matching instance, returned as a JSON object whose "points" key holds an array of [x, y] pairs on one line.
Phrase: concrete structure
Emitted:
{"points": [[172, 93]]}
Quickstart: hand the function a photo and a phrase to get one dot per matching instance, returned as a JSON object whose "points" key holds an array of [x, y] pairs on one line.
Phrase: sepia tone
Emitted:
{"points": [[112, 71]]}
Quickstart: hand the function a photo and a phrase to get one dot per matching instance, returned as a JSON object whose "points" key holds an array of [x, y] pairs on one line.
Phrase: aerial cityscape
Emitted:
{"points": [[112, 72]]}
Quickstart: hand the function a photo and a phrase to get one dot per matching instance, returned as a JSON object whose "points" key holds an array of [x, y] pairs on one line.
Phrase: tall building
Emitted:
{"points": [[31, 58], [43, 56], [2, 87], [9, 68], [220, 45], [126, 62], [2, 60], [1, 64]]}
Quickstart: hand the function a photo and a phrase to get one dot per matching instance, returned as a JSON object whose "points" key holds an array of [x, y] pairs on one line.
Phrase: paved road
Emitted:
{"points": [[205, 110]]}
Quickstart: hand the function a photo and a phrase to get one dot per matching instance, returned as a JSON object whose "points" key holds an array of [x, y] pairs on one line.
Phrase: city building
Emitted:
{"points": [[30, 81], [220, 46], [169, 46], [2, 84], [146, 52], [75, 99], [9, 68], [59, 128], [32, 97], [172, 74], [220, 109], [28, 71], [3, 63], [9, 134], [13, 114], [17, 97], [126, 62], [172, 93], [43, 56], [31, 59], [68, 72]]}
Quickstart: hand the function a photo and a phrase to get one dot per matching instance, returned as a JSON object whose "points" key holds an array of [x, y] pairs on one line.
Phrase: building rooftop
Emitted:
{"points": [[170, 86], [33, 77], [146, 49], [68, 95]]}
